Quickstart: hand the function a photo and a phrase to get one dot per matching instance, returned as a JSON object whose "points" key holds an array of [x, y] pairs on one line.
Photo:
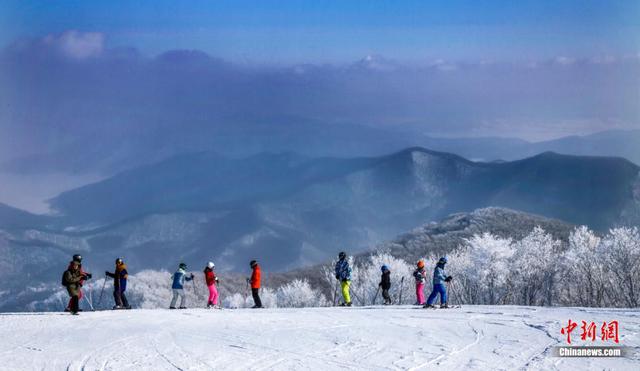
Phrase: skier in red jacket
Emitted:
{"points": [[255, 284], [212, 282]]}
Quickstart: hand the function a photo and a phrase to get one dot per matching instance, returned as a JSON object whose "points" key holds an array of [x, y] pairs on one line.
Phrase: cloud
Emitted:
{"points": [[564, 61], [100, 105], [76, 44]]}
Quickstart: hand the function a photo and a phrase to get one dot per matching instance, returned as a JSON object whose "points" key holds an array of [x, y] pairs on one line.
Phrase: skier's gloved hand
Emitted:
{"points": [[106, 273], [192, 275], [337, 277], [88, 275], [448, 279]]}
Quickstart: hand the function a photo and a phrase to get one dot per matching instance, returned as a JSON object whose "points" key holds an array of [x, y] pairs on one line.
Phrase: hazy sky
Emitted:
{"points": [[85, 78], [341, 31]]}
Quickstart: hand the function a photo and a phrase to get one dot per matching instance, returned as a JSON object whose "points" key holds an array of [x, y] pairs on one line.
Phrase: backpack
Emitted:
{"points": [[64, 279], [417, 274]]}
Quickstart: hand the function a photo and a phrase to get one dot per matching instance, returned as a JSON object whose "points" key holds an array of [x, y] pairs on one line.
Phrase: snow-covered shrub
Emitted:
{"points": [[236, 301], [268, 298], [299, 293]]}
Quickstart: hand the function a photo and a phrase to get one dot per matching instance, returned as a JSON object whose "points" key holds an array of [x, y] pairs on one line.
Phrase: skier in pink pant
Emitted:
{"points": [[212, 281], [420, 274]]}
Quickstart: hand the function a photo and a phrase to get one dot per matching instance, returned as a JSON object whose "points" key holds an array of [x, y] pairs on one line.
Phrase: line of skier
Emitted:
{"points": [[343, 276], [74, 277]]}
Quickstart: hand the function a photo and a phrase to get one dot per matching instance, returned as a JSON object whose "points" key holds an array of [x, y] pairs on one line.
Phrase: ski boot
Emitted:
{"points": [[173, 308], [429, 306]]}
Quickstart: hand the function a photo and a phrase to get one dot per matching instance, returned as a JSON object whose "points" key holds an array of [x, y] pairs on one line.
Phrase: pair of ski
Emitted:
{"points": [[447, 307]]}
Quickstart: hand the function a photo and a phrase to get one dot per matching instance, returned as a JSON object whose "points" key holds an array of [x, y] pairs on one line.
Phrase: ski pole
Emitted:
{"points": [[195, 292], [356, 295], [375, 296], [217, 283], [401, 287], [102, 290], [335, 293], [451, 289], [89, 302], [246, 292]]}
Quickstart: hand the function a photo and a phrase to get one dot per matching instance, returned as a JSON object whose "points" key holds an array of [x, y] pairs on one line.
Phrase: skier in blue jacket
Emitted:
{"points": [[343, 274], [178, 286], [439, 279]]}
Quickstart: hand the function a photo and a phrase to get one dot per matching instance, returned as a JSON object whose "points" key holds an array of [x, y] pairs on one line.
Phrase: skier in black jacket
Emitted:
{"points": [[385, 284]]}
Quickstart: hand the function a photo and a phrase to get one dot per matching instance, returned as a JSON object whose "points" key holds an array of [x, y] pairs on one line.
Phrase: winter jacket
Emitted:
{"points": [[385, 281], [82, 272], [178, 279], [120, 277], [343, 270], [439, 275], [73, 278], [210, 276], [420, 275], [255, 277]]}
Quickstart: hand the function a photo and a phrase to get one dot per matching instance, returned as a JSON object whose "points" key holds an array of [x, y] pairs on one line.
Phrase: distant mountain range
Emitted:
{"points": [[405, 187], [315, 140]]}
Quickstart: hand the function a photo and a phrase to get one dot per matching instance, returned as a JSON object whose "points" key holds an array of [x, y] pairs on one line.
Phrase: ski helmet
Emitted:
{"points": [[118, 261], [253, 263], [384, 268], [442, 260], [77, 258], [182, 266], [342, 255], [420, 264], [210, 265]]}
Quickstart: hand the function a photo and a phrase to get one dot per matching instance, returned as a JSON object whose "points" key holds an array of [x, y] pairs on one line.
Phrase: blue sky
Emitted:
{"points": [[341, 31]]}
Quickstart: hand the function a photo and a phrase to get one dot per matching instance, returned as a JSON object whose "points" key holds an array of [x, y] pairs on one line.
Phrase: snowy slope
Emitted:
{"points": [[371, 338]]}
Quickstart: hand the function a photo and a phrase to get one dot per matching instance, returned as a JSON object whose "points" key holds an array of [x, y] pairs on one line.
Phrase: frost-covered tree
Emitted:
{"points": [[481, 268], [534, 267], [621, 251], [583, 271], [328, 274]]}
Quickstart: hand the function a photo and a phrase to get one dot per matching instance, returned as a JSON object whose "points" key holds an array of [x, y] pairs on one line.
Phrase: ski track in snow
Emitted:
{"points": [[369, 338]]}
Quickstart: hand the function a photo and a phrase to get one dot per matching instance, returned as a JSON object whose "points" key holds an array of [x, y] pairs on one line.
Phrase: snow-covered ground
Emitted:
{"points": [[366, 338]]}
